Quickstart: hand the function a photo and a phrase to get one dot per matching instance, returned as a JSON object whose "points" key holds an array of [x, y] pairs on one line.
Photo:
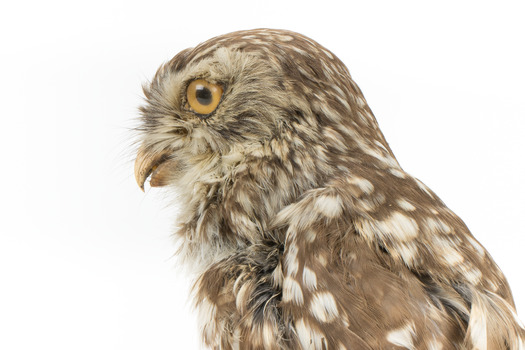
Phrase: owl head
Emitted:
{"points": [[249, 98]]}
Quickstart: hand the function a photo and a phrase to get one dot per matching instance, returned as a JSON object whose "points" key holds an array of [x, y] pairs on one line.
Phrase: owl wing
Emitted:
{"points": [[375, 261]]}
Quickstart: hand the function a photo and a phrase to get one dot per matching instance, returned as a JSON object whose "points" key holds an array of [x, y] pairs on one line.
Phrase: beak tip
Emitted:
{"points": [[140, 181]]}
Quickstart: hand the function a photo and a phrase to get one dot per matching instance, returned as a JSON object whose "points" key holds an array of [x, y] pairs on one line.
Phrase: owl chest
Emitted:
{"points": [[239, 299]]}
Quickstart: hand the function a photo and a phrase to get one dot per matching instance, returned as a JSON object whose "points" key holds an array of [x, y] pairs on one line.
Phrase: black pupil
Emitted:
{"points": [[203, 95]]}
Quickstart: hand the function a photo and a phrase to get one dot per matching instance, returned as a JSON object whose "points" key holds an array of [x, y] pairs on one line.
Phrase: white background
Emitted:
{"points": [[86, 258]]}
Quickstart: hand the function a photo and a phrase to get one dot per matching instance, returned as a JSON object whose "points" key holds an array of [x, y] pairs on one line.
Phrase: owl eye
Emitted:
{"points": [[203, 97]]}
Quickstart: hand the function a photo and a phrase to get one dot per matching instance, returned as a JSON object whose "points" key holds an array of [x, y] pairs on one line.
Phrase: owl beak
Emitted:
{"points": [[155, 163]]}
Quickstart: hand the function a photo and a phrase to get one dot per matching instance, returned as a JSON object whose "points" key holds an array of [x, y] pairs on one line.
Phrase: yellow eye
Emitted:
{"points": [[203, 97]]}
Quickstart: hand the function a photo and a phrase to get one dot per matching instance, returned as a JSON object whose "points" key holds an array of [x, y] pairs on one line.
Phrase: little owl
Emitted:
{"points": [[301, 227]]}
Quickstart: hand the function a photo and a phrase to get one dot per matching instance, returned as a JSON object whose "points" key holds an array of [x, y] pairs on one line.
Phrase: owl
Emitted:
{"points": [[300, 227]]}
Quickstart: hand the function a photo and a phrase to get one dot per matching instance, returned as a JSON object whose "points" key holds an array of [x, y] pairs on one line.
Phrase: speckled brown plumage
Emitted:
{"points": [[301, 227]]}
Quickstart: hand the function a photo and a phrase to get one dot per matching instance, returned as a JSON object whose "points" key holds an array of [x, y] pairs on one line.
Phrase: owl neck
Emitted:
{"points": [[233, 209]]}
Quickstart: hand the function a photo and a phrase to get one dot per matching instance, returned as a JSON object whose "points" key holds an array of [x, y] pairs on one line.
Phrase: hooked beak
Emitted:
{"points": [[154, 163]]}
